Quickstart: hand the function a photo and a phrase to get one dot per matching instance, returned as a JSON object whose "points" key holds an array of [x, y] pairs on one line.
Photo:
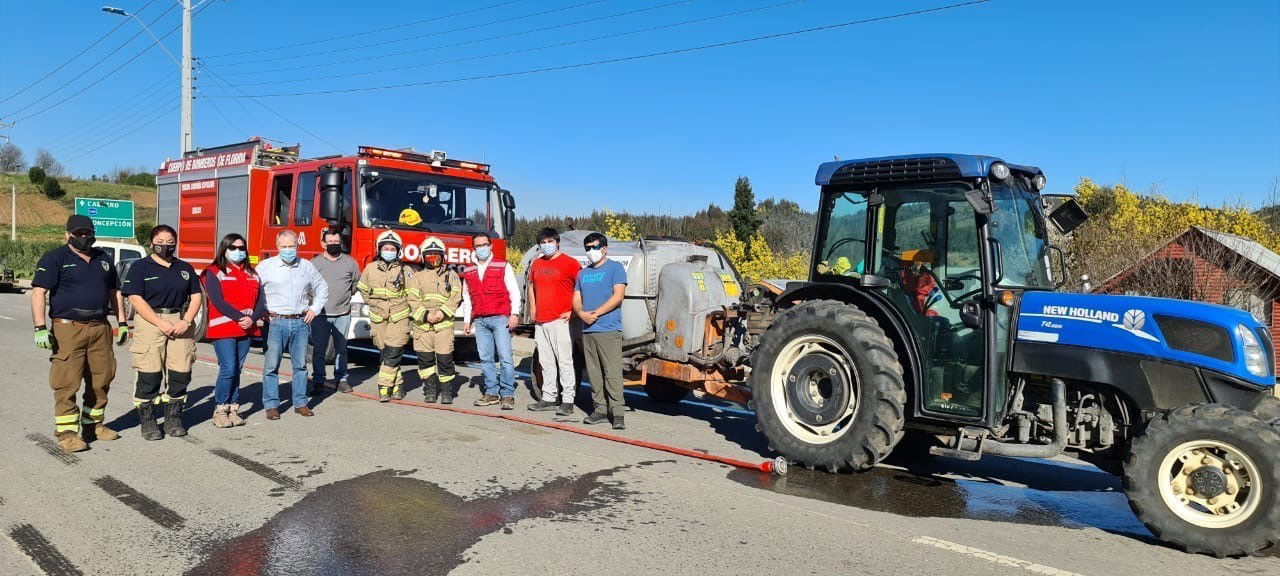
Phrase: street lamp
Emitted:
{"points": [[185, 129]]}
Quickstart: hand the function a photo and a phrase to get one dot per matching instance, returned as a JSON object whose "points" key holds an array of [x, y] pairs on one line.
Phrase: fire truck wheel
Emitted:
{"points": [[828, 387], [202, 317], [664, 391], [1204, 478]]}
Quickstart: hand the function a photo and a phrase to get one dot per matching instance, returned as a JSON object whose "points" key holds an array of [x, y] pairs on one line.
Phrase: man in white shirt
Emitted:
{"points": [[295, 294], [491, 307]]}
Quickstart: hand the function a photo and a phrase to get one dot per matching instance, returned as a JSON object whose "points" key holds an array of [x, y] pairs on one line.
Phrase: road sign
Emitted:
{"points": [[111, 218]]}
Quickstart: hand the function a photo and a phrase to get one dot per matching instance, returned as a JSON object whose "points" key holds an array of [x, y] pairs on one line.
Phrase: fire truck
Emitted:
{"points": [[259, 190]]}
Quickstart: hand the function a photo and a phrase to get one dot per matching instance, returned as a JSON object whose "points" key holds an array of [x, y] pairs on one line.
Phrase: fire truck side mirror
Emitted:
{"points": [[331, 193], [508, 212]]}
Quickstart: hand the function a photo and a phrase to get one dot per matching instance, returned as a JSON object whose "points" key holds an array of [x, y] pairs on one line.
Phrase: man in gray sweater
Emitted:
{"points": [[341, 272]]}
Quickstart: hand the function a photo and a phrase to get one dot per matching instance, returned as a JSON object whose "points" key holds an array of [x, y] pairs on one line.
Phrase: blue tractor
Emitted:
{"points": [[931, 311]]}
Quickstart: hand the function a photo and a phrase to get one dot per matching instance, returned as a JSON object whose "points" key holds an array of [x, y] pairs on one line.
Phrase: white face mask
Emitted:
{"points": [[548, 248], [595, 255]]}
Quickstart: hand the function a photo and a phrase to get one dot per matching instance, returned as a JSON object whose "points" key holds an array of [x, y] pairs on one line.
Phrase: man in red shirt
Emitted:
{"points": [[551, 278]]}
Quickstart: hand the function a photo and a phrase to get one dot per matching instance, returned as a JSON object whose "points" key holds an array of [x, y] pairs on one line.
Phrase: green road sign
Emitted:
{"points": [[111, 218]]}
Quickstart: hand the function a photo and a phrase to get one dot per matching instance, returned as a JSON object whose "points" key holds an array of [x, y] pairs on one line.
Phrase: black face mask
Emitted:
{"points": [[333, 249], [82, 243], [163, 251]]}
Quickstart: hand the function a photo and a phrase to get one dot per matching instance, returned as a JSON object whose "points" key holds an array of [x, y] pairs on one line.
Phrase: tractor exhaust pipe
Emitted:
{"points": [[1049, 450]]}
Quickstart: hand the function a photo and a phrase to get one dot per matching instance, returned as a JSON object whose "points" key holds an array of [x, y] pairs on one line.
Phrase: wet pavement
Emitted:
{"points": [[366, 525]]}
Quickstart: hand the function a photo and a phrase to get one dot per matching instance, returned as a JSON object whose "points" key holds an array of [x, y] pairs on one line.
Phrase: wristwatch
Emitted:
{"points": [[41, 327]]}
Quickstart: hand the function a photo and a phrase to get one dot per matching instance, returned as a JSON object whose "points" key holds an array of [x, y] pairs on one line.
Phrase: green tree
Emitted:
{"points": [[52, 188], [744, 219], [142, 233], [36, 175]]}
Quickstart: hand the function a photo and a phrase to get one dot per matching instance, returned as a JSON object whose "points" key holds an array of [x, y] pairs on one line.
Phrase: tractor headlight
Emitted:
{"points": [[1039, 182], [1255, 358], [999, 170]]}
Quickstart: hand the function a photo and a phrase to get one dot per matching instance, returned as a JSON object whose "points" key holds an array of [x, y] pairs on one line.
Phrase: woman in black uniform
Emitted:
{"points": [[165, 294]]}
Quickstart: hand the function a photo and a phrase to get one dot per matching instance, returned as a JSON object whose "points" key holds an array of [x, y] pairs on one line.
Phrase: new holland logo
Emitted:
{"points": [[186, 276], [1134, 321]]}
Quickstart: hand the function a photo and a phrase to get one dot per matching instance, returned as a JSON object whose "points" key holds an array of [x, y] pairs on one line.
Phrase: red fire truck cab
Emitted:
{"points": [[258, 191]]}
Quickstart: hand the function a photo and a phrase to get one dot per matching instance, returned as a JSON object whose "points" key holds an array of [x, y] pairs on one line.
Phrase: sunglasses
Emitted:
{"points": [[593, 246], [236, 247]]}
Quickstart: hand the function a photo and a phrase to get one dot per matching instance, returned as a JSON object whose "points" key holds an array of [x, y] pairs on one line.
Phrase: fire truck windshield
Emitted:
{"points": [[416, 201]]}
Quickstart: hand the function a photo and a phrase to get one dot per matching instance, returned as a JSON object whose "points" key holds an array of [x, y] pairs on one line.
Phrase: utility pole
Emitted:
{"points": [[187, 135]]}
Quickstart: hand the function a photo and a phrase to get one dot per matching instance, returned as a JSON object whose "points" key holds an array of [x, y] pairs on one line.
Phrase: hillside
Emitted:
{"points": [[40, 218]]}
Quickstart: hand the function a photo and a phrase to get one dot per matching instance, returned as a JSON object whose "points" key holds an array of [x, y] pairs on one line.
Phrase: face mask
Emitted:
{"points": [[595, 255], [434, 261], [389, 255], [236, 256], [163, 250], [548, 248], [484, 252], [333, 249], [82, 243], [288, 255]]}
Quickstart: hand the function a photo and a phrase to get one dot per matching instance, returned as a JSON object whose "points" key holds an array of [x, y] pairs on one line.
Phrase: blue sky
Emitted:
{"points": [[1179, 95]]}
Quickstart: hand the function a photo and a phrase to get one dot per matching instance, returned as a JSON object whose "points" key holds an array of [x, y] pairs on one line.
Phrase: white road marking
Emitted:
{"points": [[5, 318], [992, 557]]}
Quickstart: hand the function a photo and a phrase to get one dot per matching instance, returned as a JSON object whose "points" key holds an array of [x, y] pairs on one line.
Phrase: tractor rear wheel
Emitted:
{"points": [[828, 387], [1205, 478]]}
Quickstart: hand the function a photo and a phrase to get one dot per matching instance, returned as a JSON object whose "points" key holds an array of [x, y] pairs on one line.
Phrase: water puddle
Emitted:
{"points": [[1036, 492], [386, 523]]}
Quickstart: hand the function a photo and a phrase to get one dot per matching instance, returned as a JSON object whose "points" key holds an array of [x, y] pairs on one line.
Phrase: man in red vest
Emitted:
{"points": [[491, 308]]}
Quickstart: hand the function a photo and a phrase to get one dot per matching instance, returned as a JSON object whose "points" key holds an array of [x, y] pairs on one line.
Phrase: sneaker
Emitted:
{"points": [[565, 409], [596, 418], [487, 400], [542, 406], [509, 403], [618, 423], [331, 384], [343, 387]]}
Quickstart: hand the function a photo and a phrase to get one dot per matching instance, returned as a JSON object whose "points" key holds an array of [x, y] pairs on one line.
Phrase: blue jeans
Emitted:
{"points": [[324, 328], [492, 335], [231, 353], [289, 334]]}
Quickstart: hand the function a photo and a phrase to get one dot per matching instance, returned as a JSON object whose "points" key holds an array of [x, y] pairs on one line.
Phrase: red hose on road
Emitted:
{"points": [[776, 466]]}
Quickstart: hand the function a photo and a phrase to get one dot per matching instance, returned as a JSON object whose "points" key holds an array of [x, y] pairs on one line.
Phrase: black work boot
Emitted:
{"points": [[147, 418], [446, 392], [173, 419], [397, 392], [430, 390]]}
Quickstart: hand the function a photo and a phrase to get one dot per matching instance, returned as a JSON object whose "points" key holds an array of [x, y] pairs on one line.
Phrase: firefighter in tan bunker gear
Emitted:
{"points": [[434, 295], [383, 287]]}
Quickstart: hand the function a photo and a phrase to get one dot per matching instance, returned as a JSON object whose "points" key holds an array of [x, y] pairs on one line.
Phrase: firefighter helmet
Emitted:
{"points": [[390, 237], [410, 217], [432, 245]]}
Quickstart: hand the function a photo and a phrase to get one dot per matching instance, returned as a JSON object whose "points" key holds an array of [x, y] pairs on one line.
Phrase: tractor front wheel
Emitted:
{"points": [[1205, 478], [828, 387]]}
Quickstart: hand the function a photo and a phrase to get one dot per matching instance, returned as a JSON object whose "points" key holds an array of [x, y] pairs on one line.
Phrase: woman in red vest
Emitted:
{"points": [[236, 304]]}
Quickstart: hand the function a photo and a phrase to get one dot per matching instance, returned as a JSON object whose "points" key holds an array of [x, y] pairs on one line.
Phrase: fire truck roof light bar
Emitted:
{"points": [[436, 158]]}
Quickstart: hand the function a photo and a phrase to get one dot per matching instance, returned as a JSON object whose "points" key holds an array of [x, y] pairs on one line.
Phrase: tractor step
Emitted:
{"points": [[968, 445]]}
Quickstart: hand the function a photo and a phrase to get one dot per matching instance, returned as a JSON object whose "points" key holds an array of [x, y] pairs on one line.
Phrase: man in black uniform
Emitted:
{"points": [[79, 284]]}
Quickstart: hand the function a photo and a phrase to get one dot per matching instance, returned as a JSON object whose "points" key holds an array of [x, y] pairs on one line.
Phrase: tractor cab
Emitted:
{"points": [[941, 238]]}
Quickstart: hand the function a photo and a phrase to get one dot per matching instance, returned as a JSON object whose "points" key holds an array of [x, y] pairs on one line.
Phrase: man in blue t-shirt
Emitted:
{"points": [[597, 300]]}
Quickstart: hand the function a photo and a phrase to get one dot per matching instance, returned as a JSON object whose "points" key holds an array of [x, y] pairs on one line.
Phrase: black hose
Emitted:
{"points": [[1049, 450]]}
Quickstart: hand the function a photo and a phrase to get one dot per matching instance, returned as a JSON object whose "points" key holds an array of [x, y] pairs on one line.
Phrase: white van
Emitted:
{"points": [[120, 251]]}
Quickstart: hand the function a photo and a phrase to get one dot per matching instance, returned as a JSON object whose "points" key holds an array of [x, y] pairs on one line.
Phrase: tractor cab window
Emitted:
{"points": [[416, 201], [843, 246], [1019, 228]]}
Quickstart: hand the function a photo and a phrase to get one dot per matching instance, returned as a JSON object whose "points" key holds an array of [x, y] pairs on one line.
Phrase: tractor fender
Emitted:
{"points": [[874, 305]]}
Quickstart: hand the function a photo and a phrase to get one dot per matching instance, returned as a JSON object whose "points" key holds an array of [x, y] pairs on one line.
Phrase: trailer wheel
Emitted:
{"points": [[1205, 478], [664, 391], [828, 388]]}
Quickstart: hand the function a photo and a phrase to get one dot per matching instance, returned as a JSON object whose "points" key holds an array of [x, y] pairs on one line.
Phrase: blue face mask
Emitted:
{"points": [[236, 256], [288, 255], [548, 248], [484, 252], [389, 255]]}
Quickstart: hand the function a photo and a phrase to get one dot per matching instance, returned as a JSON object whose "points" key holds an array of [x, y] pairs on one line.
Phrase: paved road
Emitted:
{"points": [[367, 488]]}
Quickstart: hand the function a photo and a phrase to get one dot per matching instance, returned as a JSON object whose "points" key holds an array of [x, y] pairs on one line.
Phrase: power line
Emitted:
{"points": [[625, 58], [225, 118], [74, 58], [366, 32], [132, 104], [95, 65], [535, 48], [121, 136], [406, 39], [219, 78], [470, 42], [113, 126]]}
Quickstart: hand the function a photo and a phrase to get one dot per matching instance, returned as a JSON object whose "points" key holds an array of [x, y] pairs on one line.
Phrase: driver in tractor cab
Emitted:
{"points": [[918, 282]]}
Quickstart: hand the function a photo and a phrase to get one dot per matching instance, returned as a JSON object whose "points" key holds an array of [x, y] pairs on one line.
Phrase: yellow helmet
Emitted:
{"points": [[410, 217], [389, 237], [432, 244]]}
